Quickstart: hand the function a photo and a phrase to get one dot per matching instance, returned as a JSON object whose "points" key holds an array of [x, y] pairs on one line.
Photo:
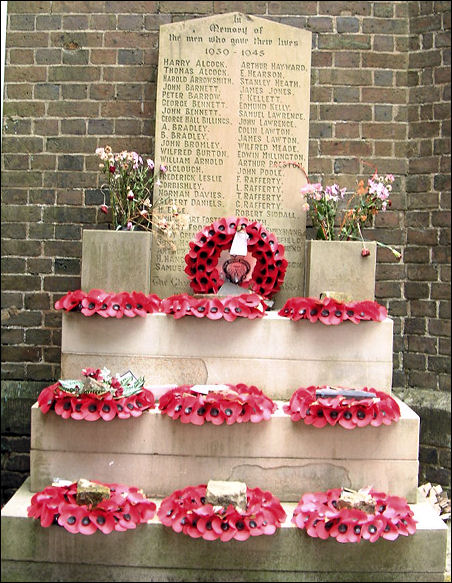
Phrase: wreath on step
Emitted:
{"points": [[100, 396], [325, 514], [332, 312], [221, 404], [104, 507], [187, 511], [345, 410]]}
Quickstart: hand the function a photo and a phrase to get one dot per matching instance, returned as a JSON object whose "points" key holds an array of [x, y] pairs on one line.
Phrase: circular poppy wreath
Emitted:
{"points": [[90, 405], [229, 308], [202, 259], [232, 404], [123, 510], [331, 312], [318, 513], [348, 412], [109, 305], [186, 511]]}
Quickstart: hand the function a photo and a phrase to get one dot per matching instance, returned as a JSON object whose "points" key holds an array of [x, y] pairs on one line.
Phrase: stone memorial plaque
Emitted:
{"points": [[232, 124]]}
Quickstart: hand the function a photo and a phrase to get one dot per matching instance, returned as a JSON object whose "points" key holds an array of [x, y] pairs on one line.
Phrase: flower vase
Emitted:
{"points": [[116, 261], [340, 267]]}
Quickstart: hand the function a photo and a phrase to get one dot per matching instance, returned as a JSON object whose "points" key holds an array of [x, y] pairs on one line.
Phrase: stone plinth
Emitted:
{"points": [[116, 261], [286, 457], [274, 353], [154, 552], [339, 266]]}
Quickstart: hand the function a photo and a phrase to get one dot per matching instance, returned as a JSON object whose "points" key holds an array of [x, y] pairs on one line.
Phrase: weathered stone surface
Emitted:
{"points": [[273, 353], [232, 110], [116, 261], [338, 266]]}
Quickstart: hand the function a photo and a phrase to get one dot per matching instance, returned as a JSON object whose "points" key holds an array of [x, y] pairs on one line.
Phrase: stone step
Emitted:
{"points": [[160, 454], [273, 353], [154, 552]]}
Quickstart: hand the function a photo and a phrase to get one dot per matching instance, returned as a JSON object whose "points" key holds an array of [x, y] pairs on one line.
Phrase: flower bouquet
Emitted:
{"points": [[322, 204], [130, 189]]}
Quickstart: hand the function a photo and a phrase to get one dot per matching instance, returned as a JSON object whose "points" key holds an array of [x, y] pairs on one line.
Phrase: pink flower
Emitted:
{"points": [[104, 208]]}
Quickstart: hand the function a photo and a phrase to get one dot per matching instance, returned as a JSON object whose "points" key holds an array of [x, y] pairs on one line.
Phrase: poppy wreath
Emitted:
{"points": [[105, 400], [202, 259], [109, 305], [318, 513], [229, 308], [123, 510], [187, 511], [234, 404], [348, 412], [331, 312]]}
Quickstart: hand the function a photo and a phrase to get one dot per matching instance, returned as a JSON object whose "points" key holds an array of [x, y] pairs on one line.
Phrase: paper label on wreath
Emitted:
{"points": [[239, 244], [127, 377], [205, 389], [231, 289]]}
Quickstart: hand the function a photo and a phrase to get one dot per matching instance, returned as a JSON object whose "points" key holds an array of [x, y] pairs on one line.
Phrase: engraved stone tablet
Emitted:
{"points": [[232, 115]]}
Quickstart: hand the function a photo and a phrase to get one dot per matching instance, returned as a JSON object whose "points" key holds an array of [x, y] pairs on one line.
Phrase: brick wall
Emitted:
{"points": [[82, 74]]}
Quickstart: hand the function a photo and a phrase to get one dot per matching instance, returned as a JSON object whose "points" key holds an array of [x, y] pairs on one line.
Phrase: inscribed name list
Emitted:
{"points": [[232, 124]]}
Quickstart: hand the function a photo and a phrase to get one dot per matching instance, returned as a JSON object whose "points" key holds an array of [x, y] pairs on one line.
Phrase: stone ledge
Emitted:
{"points": [[280, 455], [153, 548], [273, 353]]}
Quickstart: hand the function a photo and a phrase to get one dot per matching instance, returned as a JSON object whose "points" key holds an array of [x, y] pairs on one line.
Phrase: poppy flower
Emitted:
{"points": [[70, 517], [90, 409], [349, 526], [330, 312], [117, 305], [199, 307], [373, 528], [128, 518], [63, 407], [46, 397], [93, 301], [230, 410], [214, 308], [139, 302], [107, 409], [78, 411], [71, 301], [103, 521]]}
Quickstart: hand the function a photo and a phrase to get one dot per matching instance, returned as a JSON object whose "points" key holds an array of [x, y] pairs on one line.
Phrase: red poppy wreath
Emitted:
{"points": [[109, 305], [187, 511], [100, 396], [104, 507], [209, 263], [347, 410], [331, 312], [374, 515], [229, 308], [226, 404]]}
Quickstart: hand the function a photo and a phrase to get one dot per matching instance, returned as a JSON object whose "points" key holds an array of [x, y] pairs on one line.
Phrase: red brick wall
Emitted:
{"points": [[82, 74]]}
